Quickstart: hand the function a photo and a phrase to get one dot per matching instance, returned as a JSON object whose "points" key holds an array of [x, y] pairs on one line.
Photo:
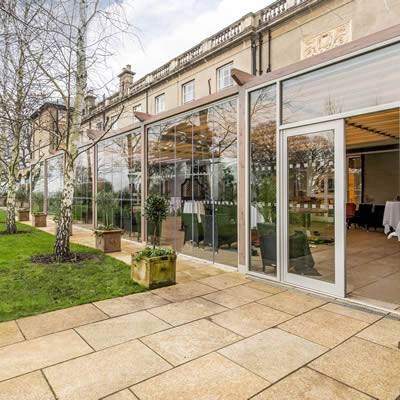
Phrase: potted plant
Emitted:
{"points": [[39, 219], [23, 212], [108, 237], [153, 266]]}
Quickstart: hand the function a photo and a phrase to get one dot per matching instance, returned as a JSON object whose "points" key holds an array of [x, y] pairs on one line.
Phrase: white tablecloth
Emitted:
{"points": [[194, 207], [391, 217]]}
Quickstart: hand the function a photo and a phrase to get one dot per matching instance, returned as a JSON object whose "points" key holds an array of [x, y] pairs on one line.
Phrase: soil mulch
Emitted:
{"points": [[73, 258]]}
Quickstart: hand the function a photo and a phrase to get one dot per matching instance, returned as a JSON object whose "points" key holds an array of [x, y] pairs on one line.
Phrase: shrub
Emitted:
{"points": [[149, 252]]}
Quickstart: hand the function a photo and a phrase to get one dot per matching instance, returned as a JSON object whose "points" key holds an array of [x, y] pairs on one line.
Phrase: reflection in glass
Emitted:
{"points": [[192, 161], [224, 183], [263, 250], [37, 182], [119, 172], [360, 82], [55, 181], [311, 199], [82, 208]]}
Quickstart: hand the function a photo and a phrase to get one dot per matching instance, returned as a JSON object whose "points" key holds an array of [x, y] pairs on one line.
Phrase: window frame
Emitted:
{"points": [[186, 85], [219, 74], [157, 103]]}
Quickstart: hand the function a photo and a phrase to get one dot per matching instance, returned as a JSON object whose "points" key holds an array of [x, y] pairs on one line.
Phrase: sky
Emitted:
{"points": [[166, 28]]}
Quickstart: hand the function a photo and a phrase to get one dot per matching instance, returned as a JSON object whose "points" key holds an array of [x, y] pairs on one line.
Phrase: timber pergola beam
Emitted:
{"points": [[241, 77], [141, 116]]}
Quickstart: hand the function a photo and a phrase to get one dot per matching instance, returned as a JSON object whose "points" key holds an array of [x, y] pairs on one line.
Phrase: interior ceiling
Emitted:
{"points": [[375, 129]]}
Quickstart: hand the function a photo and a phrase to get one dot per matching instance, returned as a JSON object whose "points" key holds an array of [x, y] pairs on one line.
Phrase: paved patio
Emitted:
{"points": [[215, 335]]}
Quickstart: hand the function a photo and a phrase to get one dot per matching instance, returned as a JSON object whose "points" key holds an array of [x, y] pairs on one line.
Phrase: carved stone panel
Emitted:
{"points": [[327, 40]]}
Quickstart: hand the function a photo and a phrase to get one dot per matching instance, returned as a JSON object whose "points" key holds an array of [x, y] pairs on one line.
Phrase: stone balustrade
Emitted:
{"points": [[220, 39]]}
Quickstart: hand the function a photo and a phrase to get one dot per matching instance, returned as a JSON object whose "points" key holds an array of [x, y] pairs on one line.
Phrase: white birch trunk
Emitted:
{"points": [[62, 245], [11, 225]]}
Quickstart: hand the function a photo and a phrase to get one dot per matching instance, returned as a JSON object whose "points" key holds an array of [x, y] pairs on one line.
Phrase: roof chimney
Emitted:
{"points": [[90, 100], [125, 80]]}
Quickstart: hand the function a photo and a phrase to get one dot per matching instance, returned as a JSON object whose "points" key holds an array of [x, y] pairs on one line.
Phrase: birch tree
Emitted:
{"points": [[20, 91], [78, 34]]}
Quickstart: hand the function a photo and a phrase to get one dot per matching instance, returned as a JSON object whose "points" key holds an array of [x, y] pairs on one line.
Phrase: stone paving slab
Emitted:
{"points": [[306, 384], [365, 366], [186, 311], [186, 342], [10, 333], [31, 386], [265, 287], [292, 302], [121, 329], [273, 354], [385, 332], [123, 395], [104, 372], [20, 358], [183, 291], [236, 296], [224, 281], [323, 327], [361, 315], [209, 377], [60, 320], [250, 319], [129, 304]]}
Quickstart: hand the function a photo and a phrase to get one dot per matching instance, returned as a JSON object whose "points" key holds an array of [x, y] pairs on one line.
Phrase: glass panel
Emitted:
{"points": [[183, 186], [263, 242], [201, 205], [82, 209], [22, 194], [192, 160], [224, 192], [54, 183], [363, 81], [119, 172], [37, 195], [311, 195], [161, 177]]}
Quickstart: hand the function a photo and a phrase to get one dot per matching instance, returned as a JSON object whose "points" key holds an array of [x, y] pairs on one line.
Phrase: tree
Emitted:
{"points": [[156, 211], [77, 34], [20, 91]]}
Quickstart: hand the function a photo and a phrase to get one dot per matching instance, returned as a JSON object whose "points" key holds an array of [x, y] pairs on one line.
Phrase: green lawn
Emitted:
{"points": [[28, 289]]}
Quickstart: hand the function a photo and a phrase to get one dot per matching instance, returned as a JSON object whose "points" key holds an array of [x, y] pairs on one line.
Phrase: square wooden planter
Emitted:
{"points": [[155, 272], [108, 241], [23, 215], [39, 220]]}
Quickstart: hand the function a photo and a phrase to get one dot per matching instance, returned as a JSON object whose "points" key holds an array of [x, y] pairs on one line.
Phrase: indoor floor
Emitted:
{"points": [[373, 268]]}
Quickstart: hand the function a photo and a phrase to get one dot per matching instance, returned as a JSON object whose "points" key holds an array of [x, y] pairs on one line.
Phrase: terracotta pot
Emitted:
{"points": [[23, 215], [39, 220], [108, 241], [154, 272]]}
